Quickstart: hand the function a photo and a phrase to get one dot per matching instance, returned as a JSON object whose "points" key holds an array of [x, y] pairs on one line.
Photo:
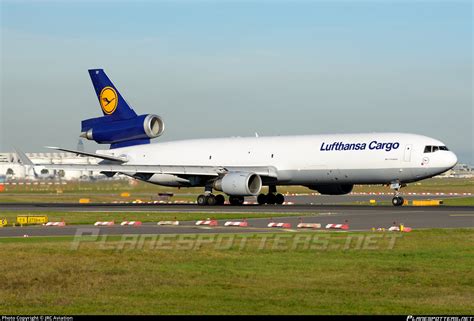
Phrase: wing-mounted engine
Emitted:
{"points": [[106, 130], [239, 183], [332, 189]]}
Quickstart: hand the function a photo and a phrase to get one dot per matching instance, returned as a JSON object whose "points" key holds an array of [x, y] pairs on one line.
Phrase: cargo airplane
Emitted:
{"points": [[241, 166]]}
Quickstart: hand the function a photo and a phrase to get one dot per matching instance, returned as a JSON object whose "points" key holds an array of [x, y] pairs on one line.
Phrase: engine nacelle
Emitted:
{"points": [[239, 184], [332, 189], [105, 130]]}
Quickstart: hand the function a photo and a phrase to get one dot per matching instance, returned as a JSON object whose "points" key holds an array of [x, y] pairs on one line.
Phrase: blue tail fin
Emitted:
{"points": [[120, 126], [112, 103]]}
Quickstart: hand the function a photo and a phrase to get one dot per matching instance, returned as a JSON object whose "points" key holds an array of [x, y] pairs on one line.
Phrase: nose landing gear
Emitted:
{"points": [[397, 200]]}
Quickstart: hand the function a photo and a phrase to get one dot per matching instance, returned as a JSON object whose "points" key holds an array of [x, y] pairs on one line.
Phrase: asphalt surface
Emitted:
{"points": [[359, 218], [345, 199], [302, 201]]}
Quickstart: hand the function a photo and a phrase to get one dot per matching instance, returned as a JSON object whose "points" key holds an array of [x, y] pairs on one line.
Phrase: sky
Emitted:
{"points": [[233, 68]]}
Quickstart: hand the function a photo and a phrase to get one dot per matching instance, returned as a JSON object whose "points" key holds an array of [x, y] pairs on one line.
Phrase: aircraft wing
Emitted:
{"points": [[159, 169], [100, 156], [129, 169], [135, 169]]}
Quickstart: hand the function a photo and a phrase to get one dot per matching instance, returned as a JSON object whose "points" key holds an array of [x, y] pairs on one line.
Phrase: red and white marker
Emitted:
{"points": [[308, 225], [338, 226], [168, 223], [282, 225], [131, 223], [61, 224], [239, 224], [207, 222], [397, 229], [104, 223]]}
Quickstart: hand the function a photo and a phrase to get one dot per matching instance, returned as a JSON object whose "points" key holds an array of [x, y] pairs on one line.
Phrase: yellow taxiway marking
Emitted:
{"points": [[461, 214]]}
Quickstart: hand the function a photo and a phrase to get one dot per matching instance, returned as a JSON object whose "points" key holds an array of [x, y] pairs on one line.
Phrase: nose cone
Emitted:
{"points": [[450, 160]]}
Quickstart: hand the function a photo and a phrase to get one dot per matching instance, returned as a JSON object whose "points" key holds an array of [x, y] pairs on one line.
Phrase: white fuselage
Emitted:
{"points": [[371, 158]]}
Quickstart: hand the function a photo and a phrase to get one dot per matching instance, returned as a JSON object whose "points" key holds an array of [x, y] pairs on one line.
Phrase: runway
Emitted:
{"points": [[359, 218], [300, 202]]}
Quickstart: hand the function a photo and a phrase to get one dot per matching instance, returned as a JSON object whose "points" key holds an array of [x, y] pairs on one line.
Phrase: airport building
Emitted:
{"points": [[12, 169], [461, 171]]}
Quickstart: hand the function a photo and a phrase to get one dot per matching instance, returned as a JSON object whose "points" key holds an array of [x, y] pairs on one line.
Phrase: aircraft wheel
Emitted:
{"points": [[271, 198], [397, 201], [233, 200], [279, 199], [240, 200], [261, 199], [401, 200], [220, 199], [211, 200], [202, 200], [236, 200]]}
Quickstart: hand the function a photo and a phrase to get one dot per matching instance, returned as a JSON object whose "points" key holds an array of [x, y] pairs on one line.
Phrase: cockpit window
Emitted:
{"points": [[432, 149]]}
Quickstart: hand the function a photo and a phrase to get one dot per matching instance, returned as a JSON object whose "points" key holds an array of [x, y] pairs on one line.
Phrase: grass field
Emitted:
{"points": [[426, 272], [462, 201]]}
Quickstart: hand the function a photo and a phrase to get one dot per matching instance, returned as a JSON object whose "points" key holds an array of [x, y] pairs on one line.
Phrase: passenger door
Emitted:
{"points": [[407, 155]]}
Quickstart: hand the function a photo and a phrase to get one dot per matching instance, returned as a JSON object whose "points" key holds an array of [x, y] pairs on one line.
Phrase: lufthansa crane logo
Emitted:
{"points": [[108, 100]]}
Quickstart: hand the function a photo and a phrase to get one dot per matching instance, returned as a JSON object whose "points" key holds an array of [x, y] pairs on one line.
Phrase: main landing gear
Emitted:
{"points": [[236, 200], [271, 198], [211, 199], [397, 200]]}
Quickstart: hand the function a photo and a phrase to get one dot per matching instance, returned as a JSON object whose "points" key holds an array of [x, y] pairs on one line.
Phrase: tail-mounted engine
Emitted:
{"points": [[121, 133], [120, 125]]}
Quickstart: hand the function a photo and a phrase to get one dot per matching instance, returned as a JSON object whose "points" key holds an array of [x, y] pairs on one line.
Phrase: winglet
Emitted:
{"points": [[23, 158]]}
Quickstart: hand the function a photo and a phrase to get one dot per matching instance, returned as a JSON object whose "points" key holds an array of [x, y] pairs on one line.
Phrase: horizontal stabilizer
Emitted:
{"points": [[23, 158]]}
